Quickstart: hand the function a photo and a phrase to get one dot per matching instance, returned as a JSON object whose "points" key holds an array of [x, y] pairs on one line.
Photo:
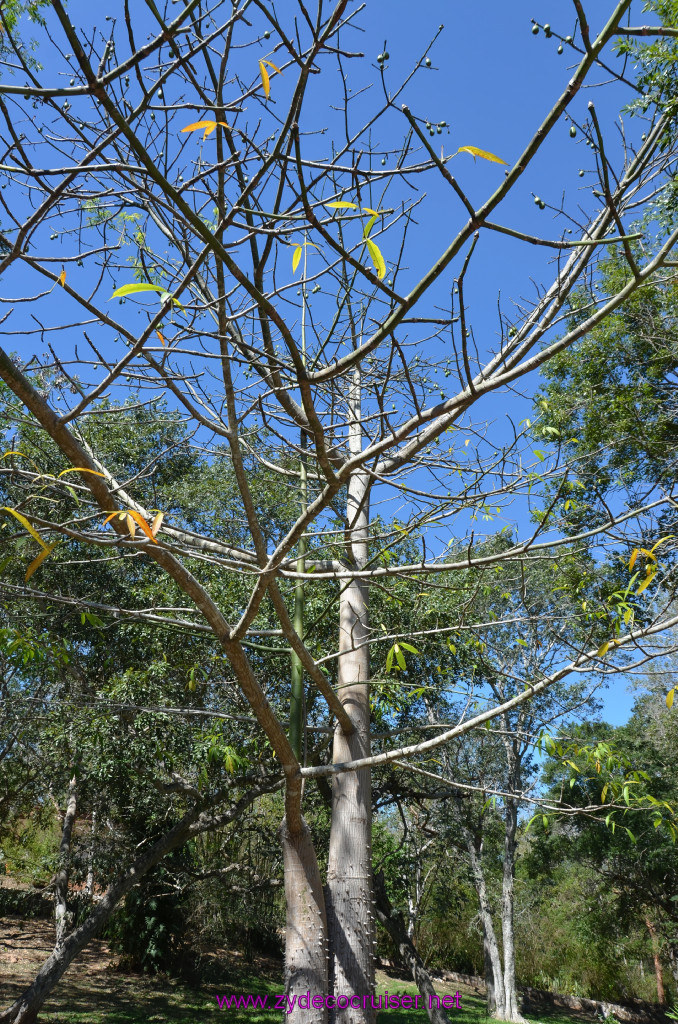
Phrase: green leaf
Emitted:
{"points": [[409, 647], [134, 289], [342, 206]]}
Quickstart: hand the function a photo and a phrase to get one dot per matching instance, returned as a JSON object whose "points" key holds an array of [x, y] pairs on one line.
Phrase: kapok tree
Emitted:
{"points": [[215, 170]]}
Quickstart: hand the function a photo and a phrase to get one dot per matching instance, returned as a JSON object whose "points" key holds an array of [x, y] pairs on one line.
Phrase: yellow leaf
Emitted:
{"points": [[139, 519], [157, 523], [634, 555], [196, 125], [265, 80], [37, 562], [669, 698], [26, 525], [603, 649], [474, 151], [647, 581], [271, 65], [369, 225], [160, 338], [62, 277], [130, 524], [342, 206], [80, 469], [296, 256], [209, 127], [366, 209], [377, 258]]}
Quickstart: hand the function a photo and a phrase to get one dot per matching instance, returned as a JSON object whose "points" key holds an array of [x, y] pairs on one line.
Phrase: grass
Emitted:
{"points": [[144, 1000], [95, 991]]}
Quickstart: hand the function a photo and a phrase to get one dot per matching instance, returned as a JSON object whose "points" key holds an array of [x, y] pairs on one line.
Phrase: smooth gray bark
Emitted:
{"points": [[511, 1000]]}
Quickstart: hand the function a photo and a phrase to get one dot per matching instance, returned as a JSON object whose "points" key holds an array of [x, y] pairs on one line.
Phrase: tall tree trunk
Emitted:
{"points": [[494, 975], [350, 917], [658, 969], [490, 986], [306, 928], [62, 918], [394, 925], [511, 1002]]}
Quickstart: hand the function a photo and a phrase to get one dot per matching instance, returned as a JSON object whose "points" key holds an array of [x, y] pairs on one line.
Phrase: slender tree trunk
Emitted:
{"points": [[350, 915], [306, 929], [25, 1009], [490, 987], [658, 969], [511, 1002], [62, 918], [394, 925], [89, 884], [494, 975]]}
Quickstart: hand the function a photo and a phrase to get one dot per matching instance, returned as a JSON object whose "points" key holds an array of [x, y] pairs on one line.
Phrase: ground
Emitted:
{"points": [[96, 991]]}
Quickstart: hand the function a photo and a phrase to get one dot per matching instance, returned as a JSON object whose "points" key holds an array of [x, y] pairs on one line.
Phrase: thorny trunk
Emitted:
{"points": [[393, 923], [350, 916], [658, 970], [62, 918], [306, 929]]}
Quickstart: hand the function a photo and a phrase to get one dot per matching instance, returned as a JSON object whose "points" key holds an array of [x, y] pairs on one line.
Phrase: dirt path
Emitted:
{"points": [[93, 986]]}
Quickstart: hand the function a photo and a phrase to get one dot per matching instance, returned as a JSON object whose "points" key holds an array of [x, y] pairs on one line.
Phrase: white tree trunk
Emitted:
{"points": [[350, 915], [511, 1002]]}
